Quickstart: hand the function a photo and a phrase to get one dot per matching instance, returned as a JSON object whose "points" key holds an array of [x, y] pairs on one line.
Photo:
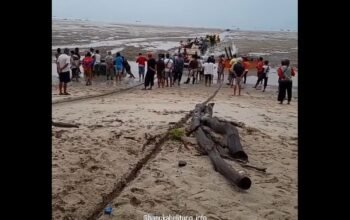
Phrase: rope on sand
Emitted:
{"points": [[95, 96], [120, 185]]}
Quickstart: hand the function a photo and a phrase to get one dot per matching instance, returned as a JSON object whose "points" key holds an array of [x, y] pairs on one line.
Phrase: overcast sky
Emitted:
{"points": [[244, 14]]}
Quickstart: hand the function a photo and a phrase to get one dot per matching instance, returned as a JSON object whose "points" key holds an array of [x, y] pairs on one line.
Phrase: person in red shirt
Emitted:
{"points": [[141, 60], [260, 71], [285, 83], [87, 65]]}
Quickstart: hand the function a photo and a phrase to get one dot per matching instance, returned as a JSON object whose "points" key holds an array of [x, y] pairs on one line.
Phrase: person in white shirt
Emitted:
{"points": [[209, 69], [97, 62], [74, 65], [63, 62], [169, 65], [266, 73]]}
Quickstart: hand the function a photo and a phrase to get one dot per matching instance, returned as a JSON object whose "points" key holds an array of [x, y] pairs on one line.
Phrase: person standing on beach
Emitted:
{"points": [[76, 52], [57, 54], [87, 65], [266, 73], [263, 75], [160, 70], [209, 68], [151, 70], [285, 74], [128, 68], [178, 68], [260, 71], [231, 73], [97, 63], [118, 67], [141, 60], [92, 52], [246, 69], [238, 70], [200, 70], [63, 62], [74, 60], [221, 67], [192, 66], [109, 66], [169, 65]]}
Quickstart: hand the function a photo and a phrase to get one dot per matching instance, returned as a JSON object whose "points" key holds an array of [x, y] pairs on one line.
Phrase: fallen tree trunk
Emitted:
{"points": [[64, 125], [237, 124], [208, 145], [230, 136], [224, 155]]}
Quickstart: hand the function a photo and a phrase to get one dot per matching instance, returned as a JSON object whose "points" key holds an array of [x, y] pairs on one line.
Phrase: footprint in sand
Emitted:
{"points": [[110, 175], [150, 203], [157, 173], [137, 191], [93, 169], [273, 180], [135, 201]]}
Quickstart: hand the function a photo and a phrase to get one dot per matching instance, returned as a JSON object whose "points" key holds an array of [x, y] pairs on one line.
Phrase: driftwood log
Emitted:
{"points": [[64, 125], [203, 113], [230, 135]]}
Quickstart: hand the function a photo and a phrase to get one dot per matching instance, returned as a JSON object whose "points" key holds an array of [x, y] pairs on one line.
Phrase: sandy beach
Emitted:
{"points": [[104, 159]]}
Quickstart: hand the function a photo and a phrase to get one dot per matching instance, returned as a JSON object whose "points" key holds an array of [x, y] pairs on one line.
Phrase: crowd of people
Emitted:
{"points": [[169, 70]]}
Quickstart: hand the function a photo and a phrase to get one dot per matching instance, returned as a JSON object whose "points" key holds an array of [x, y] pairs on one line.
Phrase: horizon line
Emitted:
{"points": [[139, 23]]}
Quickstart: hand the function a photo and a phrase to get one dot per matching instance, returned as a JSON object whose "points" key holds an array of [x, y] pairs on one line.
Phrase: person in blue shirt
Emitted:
{"points": [[118, 63]]}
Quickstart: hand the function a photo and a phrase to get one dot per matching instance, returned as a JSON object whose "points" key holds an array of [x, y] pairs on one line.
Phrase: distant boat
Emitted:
{"points": [[138, 21]]}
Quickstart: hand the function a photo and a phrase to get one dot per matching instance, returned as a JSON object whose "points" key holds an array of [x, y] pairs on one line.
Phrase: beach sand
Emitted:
{"points": [[90, 163]]}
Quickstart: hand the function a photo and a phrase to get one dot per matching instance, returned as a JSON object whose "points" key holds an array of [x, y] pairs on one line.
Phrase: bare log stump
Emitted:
{"points": [[204, 112]]}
